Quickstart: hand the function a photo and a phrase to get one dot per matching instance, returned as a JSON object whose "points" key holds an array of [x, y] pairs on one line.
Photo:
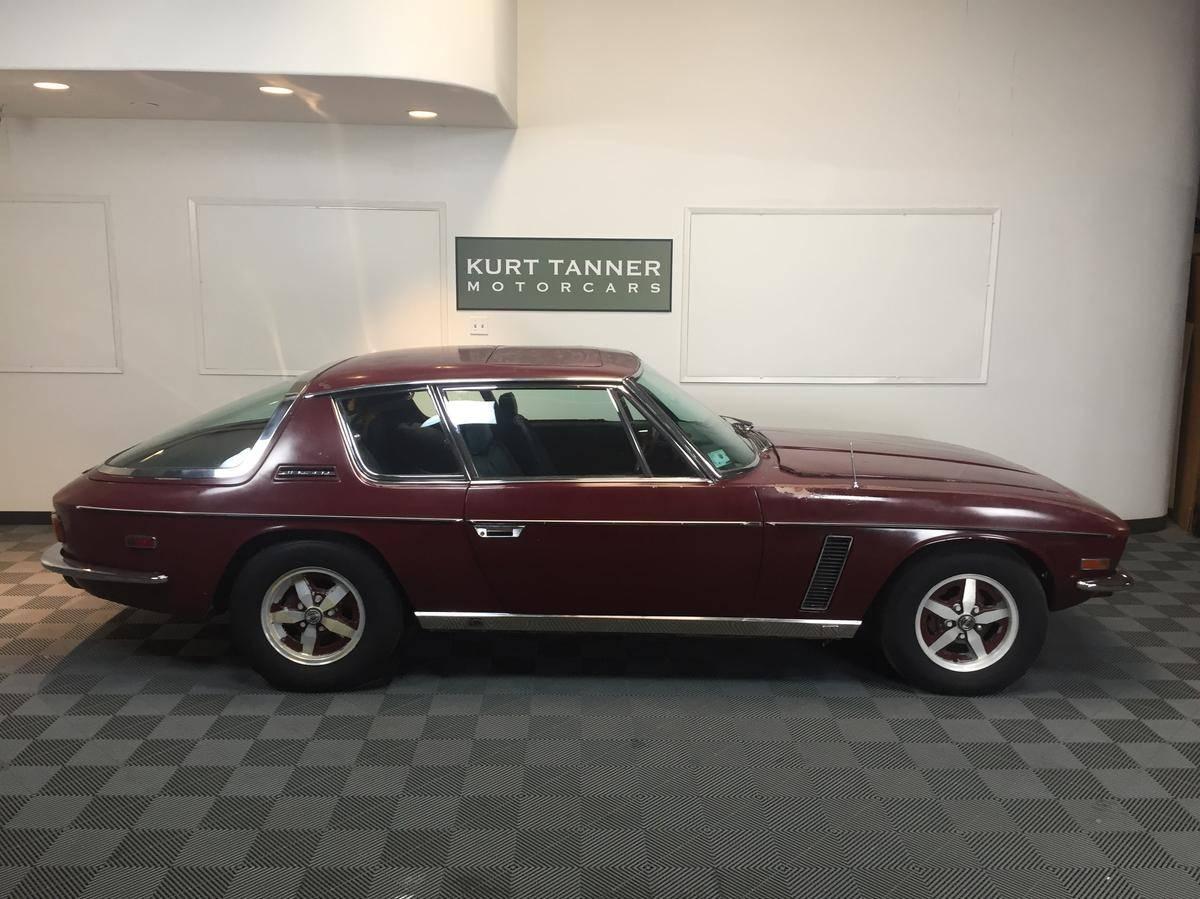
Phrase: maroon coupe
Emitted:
{"points": [[572, 489]]}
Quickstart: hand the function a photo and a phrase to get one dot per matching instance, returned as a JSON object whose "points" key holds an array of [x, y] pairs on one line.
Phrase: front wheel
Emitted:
{"points": [[964, 621], [315, 615]]}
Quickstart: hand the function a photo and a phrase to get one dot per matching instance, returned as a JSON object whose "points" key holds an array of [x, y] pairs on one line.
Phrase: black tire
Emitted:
{"points": [[381, 623], [898, 620]]}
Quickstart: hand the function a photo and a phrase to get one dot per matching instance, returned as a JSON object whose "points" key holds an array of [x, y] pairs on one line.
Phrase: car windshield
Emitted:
{"points": [[220, 441], [708, 432]]}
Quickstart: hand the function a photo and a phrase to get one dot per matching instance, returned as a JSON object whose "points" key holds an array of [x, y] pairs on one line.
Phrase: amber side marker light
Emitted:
{"points": [[60, 533], [141, 541], [1095, 564]]}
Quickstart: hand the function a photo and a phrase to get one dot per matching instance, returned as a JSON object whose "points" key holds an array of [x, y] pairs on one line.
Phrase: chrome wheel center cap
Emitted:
{"points": [[312, 615], [966, 622]]}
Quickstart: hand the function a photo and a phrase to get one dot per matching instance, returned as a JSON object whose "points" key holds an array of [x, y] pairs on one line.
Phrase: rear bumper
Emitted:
{"points": [[1105, 583], [54, 560]]}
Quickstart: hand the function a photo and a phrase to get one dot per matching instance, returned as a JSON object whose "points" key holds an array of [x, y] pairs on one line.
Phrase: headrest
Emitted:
{"points": [[401, 407], [506, 405], [477, 437]]}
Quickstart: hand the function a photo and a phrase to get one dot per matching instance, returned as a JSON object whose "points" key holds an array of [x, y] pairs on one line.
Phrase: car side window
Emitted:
{"points": [[397, 432], [661, 453], [543, 432]]}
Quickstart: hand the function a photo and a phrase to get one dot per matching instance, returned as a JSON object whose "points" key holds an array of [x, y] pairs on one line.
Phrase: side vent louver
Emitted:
{"points": [[827, 573], [305, 473]]}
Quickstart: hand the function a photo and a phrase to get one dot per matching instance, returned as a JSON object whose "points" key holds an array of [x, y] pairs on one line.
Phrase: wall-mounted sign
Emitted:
{"points": [[556, 273]]}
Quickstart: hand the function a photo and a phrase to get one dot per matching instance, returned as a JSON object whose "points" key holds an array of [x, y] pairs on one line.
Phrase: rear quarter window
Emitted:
{"points": [[398, 433], [222, 442]]}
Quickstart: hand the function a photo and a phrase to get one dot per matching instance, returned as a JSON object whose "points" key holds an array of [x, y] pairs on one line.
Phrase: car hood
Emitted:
{"points": [[884, 456]]}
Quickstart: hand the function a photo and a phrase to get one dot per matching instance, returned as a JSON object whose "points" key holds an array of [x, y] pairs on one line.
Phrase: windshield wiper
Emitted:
{"points": [[746, 430], [740, 425]]}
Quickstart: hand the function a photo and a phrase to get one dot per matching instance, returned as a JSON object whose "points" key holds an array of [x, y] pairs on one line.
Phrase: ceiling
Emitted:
{"points": [[235, 96]]}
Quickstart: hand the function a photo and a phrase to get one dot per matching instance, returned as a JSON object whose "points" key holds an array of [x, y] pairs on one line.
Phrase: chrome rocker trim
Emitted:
{"points": [[54, 561], [1106, 583], [810, 628]]}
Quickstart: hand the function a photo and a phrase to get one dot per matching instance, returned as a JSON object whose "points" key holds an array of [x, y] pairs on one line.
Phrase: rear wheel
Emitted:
{"points": [[316, 615], [964, 621]]}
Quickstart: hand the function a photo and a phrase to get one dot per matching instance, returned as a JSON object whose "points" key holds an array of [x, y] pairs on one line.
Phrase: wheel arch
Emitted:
{"points": [[999, 543], [276, 536]]}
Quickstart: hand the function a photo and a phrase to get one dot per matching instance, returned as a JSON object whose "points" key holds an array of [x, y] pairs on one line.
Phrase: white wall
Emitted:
{"points": [[1077, 119]]}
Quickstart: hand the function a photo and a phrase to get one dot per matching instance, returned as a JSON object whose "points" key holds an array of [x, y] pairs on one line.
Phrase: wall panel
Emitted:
{"points": [[285, 286], [839, 296], [58, 293]]}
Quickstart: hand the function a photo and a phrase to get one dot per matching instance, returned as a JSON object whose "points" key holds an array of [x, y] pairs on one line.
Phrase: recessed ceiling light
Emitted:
{"points": [[422, 114], [51, 86], [273, 89]]}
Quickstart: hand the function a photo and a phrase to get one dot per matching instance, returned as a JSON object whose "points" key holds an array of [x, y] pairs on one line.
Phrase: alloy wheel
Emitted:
{"points": [[967, 622], [313, 616]]}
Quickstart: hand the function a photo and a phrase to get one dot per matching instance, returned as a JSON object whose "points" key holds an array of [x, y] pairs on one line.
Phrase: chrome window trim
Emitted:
{"points": [[605, 380], [685, 449], [811, 628], [665, 421], [623, 414], [439, 389], [465, 462], [257, 453], [456, 437], [364, 471]]}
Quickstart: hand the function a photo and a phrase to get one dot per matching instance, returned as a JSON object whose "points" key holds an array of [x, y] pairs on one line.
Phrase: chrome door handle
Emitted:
{"points": [[498, 529]]}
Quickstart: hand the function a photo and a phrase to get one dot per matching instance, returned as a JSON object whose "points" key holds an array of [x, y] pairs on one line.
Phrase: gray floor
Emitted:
{"points": [[139, 758]]}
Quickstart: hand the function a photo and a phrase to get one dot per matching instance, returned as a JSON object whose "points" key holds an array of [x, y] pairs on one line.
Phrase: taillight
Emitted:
{"points": [[60, 533], [1095, 564]]}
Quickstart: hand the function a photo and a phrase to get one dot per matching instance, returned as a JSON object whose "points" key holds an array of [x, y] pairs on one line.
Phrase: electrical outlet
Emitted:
{"points": [[479, 326]]}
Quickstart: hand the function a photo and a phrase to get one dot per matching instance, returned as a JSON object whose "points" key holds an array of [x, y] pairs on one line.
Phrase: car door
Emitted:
{"points": [[570, 518], [409, 496]]}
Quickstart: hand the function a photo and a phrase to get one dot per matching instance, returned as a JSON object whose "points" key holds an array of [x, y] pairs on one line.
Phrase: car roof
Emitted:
{"points": [[456, 363]]}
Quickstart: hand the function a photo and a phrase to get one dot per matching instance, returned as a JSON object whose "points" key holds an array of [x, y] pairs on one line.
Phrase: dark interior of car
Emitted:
{"points": [[395, 437], [516, 446]]}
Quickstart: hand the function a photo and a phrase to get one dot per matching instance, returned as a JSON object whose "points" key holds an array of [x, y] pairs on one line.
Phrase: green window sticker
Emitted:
{"points": [[719, 457]]}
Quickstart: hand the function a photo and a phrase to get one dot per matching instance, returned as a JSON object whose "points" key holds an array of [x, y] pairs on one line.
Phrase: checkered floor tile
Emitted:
{"points": [[140, 758]]}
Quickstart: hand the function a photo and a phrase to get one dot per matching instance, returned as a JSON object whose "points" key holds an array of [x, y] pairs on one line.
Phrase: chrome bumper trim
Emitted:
{"points": [[53, 560], [811, 628], [1106, 583]]}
